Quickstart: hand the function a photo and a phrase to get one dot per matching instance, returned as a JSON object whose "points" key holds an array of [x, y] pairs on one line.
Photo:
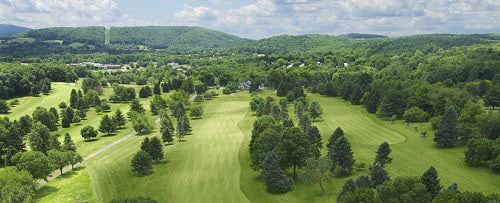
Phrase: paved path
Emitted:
{"points": [[57, 173]]}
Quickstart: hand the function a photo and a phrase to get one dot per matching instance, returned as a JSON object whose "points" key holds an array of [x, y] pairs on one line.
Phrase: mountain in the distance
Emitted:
{"points": [[9, 30], [174, 37]]}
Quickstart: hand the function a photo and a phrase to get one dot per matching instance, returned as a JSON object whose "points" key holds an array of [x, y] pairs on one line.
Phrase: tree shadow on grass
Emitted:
{"points": [[91, 140], [109, 135], [162, 162], [45, 190]]}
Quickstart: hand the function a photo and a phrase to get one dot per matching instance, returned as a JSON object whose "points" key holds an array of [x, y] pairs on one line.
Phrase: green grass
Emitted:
{"points": [[206, 163], [212, 164], [73, 186]]}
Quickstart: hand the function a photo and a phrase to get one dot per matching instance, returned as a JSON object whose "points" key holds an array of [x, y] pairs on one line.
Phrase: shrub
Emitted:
{"points": [[226, 91], [416, 114]]}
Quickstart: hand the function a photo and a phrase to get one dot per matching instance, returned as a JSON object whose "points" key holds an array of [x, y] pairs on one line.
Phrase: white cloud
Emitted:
{"points": [[47, 13]]}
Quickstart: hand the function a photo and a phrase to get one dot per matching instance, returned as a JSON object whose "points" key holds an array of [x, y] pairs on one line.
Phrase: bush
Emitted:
{"points": [[436, 122], [226, 91], [416, 114]]}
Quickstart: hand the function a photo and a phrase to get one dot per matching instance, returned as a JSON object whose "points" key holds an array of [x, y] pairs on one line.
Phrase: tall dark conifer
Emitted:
{"points": [[383, 152], [446, 135], [431, 181], [274, 177]]}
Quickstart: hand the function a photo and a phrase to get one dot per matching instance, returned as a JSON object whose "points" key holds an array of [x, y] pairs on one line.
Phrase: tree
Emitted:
{"points": [[35, 162], [136, 106], [363, 181], [446, 135], [315, 110], [294, 148], [74, 158], [107, 125], [155, 149], [304, 121], [59, 159], [68, 144], [489, 124], [157, 89], [349, 186], [479, 152], [492, 97], [378, 175], [145, 92], [342, 157], [88, 132], [141, 123], [314, 138], [196, 112], [45, 117], [335, 136], [403, 189], [392, 103], [274, 177], [430, 180], [178, 109], [167, 127], [317, 170], [73, 99], [40, 138], [16, 186], [65, 121], [70, 113], [359, 195], [81, 113], [4, 107], [157, 104], [382, 156], [118, 119], [141, 163], [416, 114]]}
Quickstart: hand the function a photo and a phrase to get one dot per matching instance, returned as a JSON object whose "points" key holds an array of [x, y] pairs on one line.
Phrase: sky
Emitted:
{"points": [[258, 19]]}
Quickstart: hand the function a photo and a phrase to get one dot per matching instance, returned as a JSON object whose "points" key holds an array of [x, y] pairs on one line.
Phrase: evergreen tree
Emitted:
{"points": [[260, 109], [315, 110], [65, 121], [82, 113], [118, 119], [342, 157], [276, 112], [178, 110], [155, 149], [314, 138], [382, 156], [145, 92], [335, 136], [363, 181], [55, 113], [157, 89], [68, 144], [145, 146], [136, 106], [378, 175], [73, 100], [304, 121], [181, 128], [446, 135], [431, 181], [166, 134], [141, 163], [274, 177], [70, 113], [107, 125], [4, 107], [492, 97], [349, 186]]}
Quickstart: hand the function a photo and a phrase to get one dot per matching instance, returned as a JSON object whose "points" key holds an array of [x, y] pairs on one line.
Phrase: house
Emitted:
{"points": [[245, 85]]}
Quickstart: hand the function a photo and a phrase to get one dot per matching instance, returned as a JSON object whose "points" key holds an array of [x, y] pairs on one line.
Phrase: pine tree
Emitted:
{"points": [[431, 181], [181, 130], [382, 156], [73, 100], [446, 135], [342, 157], [304, 121], [119, 119], [145, 145], [363, 181], [107, 125], [349, 186], [378, 175], [314, 138], [68, 144], [335, 136], [70, 113], [157, 89], [166, 134], [155, 149], [276, 112], [274, 177], [141, 163], [55, 113], [136, 106], [65, 121], [315, 110]]}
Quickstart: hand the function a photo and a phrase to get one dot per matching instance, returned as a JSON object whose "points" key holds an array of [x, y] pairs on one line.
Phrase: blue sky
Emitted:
{"points": [[263, 18]]}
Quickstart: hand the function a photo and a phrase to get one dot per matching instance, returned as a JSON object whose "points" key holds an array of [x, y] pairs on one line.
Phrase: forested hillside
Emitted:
{"points": [[8, 30], [87, 35], [174, 37]]}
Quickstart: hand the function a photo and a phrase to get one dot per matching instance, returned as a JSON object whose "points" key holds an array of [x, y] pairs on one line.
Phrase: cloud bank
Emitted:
{"points": [[263, 18]]}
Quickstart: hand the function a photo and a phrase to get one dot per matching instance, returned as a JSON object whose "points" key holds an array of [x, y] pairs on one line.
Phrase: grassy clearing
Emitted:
{"points": [[412, 154], [205, 163], [70, 187]]}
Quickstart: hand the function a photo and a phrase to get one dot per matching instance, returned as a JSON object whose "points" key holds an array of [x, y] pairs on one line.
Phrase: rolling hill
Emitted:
{"points": [[9, 30]]}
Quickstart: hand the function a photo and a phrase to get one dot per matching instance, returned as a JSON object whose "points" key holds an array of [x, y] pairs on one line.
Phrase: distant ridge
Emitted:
{"points": [[7, 30]]}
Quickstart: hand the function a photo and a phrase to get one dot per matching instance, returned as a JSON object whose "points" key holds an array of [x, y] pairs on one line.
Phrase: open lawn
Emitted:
{"points": [[205, 163], [73, 186]]}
